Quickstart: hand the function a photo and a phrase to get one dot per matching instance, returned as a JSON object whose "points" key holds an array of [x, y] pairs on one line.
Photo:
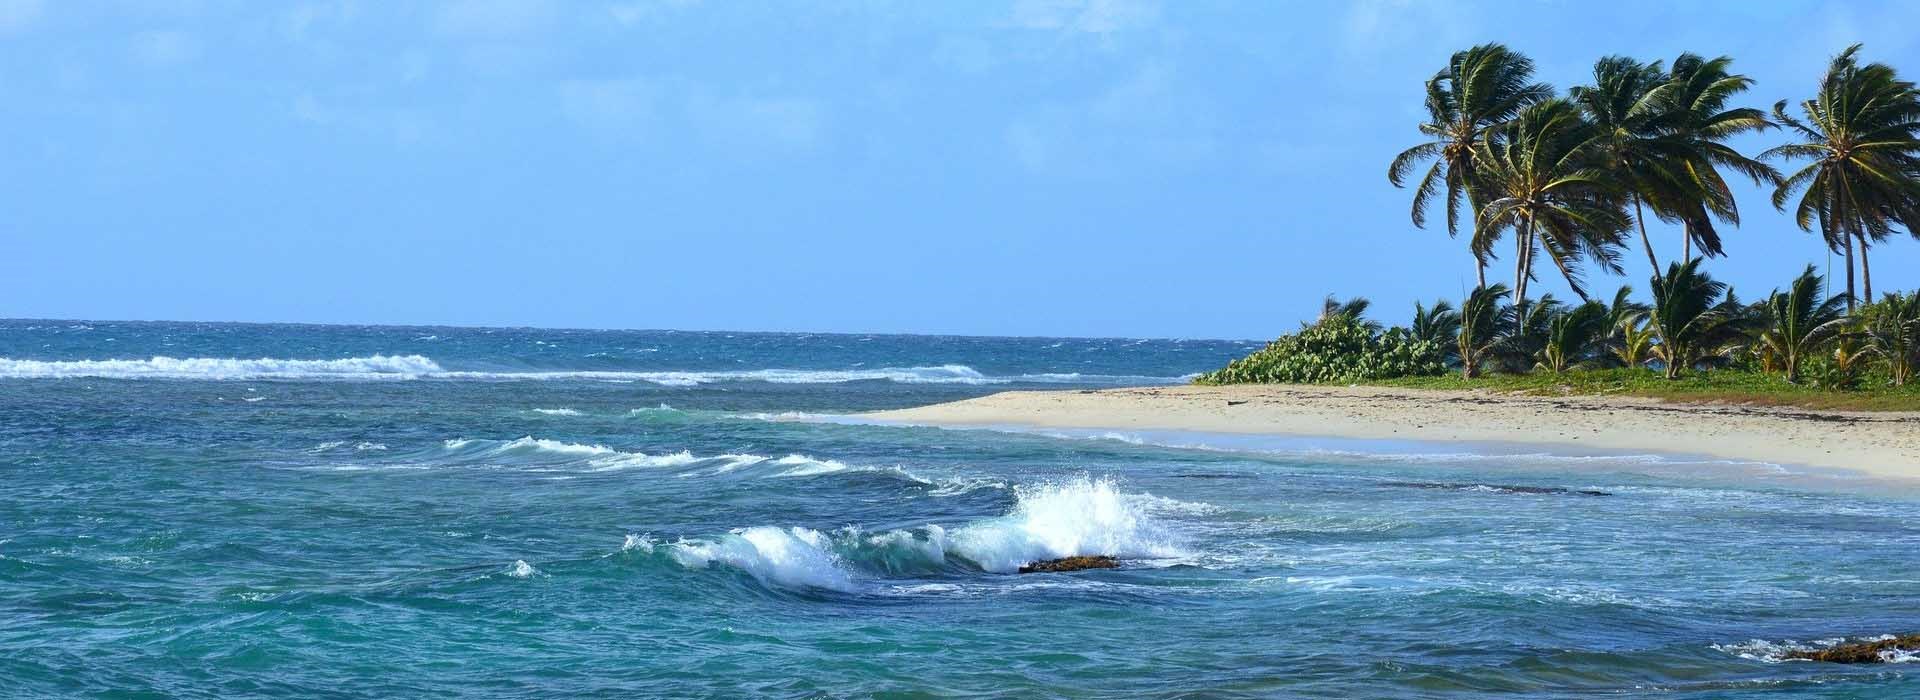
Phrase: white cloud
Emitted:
{"points": [[17, 15], [403, 126], [1379, 25], [759, 123], [302, 19], [162, 49], [610, 107], [492, 18], [1143, 121], [1089, 16], [637, 10]]}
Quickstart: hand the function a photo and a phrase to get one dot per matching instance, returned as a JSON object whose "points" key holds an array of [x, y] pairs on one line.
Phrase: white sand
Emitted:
{"points": [[1882, 444]]}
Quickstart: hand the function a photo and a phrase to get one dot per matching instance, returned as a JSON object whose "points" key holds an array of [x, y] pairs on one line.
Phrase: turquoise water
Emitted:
{"points": [[401, 512]]}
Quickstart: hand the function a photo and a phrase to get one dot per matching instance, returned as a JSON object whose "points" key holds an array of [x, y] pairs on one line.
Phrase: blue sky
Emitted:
{"points": [[1030, 167]]}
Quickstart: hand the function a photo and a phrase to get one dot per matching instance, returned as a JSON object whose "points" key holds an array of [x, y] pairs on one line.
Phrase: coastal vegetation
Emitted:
{"points": [[1566, 185]]}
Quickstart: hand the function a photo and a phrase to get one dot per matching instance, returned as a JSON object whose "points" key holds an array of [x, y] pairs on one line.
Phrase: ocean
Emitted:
{"points": [[200, 510]]}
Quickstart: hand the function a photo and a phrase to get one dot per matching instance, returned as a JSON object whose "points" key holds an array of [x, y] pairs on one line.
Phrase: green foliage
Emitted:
{"points": [[1861, 136], [1483, 323], [1540, 181], [1798, 321], [1691, 325], [1892, 329], [1339, 348], [1573, 337], [1478, 89]]}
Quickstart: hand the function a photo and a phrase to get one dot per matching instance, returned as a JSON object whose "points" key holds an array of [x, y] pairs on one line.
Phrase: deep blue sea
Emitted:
{"points": [[225, 510]]}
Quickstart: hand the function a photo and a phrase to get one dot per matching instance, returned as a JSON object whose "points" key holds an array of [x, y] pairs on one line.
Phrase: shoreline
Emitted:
{"points": [[1880, 444]]}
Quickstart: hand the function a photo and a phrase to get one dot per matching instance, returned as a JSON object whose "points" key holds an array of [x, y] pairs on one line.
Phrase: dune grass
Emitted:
{"points": [[1719, 386]]}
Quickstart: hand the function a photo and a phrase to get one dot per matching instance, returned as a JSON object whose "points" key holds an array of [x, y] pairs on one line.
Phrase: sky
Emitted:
{"points": [[1134, 168]]}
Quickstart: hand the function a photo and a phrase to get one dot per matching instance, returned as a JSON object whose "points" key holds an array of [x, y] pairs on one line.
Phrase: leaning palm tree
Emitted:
{"points": [[1540, 180], [1480, 88], [1862, 134], [1572, 337], [1623, 106], [1697, 121], [1689, 317], [1483, 325], [1661, 138], [1799, 320], [1892, 329]]}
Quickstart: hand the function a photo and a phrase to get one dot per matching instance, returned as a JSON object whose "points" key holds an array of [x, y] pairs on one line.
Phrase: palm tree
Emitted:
{"points": [[1862, 132], [1527, 333], [1892, 329], [1540, 180], [1689, 317], [1480, 88], [1661, 135], [1439, 325], [1698, 122], [1799, 320], [1483, 323], [1572, 337], [1622, 106], [1355, 309], [1633, 343]]}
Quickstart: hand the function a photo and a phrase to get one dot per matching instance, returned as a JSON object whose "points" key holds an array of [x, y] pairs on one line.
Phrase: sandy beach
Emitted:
{"points": [[1881, 444]]}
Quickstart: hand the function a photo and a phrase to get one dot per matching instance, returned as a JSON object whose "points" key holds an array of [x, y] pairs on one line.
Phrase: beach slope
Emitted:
{"points": [[1883, 444]]}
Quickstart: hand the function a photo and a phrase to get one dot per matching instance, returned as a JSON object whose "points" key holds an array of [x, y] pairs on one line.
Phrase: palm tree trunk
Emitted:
{"points": [[1641, 217], [1850, 296], [1686, 245], [1523, 263], [1866, 274], [1480, 271]]}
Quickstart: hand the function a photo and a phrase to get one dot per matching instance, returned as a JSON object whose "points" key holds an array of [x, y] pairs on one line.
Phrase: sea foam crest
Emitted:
{"points": [[1050, 521], [1081, 517], [378, 367], [793, 557], [374, 367]]}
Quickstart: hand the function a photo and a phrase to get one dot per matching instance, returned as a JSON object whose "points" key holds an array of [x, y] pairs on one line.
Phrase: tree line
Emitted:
{"points": [[1574, 176]]}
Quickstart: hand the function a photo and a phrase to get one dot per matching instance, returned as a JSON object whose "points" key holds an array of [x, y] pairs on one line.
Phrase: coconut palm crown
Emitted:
{"points": [[1479, 89], [1540, 181], [1862, 135]]}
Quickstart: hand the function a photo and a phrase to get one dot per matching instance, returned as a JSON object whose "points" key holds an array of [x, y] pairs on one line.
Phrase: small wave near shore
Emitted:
{"points": [[1079, 517], [418, 367]]}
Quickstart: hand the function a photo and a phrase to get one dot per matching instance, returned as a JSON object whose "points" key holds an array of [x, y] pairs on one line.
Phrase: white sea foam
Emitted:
{"points": [[803, 465], [1776, 652], [1083, 517], [794, 557], [390, 367], [521, 569], [557, 412], [358, 368], [1051, 521]]}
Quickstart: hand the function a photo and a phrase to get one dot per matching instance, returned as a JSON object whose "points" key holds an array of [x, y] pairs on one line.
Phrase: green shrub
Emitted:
{"points": [[1338, 348]]}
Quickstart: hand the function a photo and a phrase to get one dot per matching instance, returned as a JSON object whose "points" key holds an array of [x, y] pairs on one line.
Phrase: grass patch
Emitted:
{"points": [[1726, 386]]}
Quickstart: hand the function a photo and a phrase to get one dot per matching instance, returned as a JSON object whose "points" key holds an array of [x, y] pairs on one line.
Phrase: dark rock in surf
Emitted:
{"points": [[1071, 564], [1499, 488], [1865, 652]]}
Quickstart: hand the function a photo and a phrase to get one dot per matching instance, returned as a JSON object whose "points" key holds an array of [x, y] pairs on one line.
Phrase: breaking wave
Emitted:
{"points": [[1082, 517], [354, 368], [409, 367]]}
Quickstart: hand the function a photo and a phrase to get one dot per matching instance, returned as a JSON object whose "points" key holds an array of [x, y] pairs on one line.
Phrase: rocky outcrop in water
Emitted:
{"points": [[1871, 651], [1071, 564], [1498, 488]]}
